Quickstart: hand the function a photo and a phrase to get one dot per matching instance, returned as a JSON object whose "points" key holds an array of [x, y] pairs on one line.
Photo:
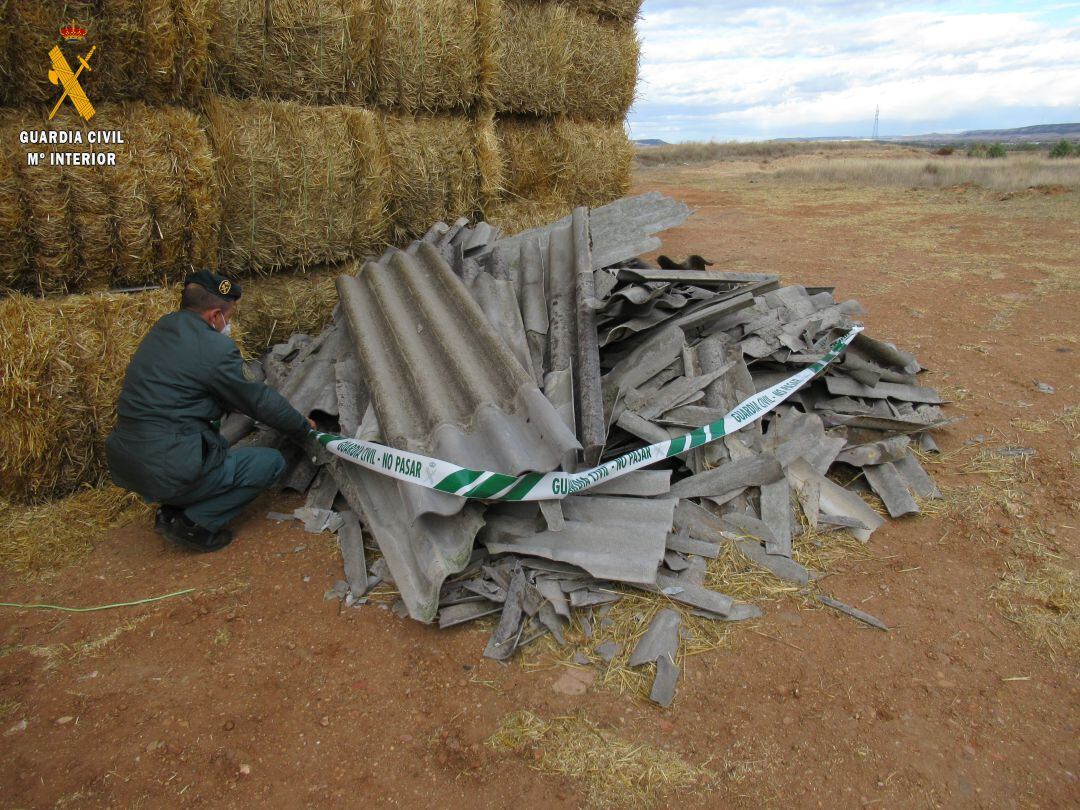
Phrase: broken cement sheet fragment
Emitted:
{"points": [[698, 522], [916, 477], [863, 455], [782, 567], [351, 540], [639, 484], [755, 471], [750, 526], [452, 615], [553, 622], [621, 539], [854, 613], [892, 489], [834, 499], [608, 650], [690, 594], [663, 686], [507, 633], [553, 592], [776, 513], [322, 492], [587, 597], [318, 520], [661, 639], [280, 517], [688, 545], [695, 571], [847, 387], [553, 515], [676, 562]]}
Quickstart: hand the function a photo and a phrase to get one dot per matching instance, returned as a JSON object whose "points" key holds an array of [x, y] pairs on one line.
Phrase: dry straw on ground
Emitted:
{"points": [[311, 51], [152, 50], [149, 219], [44, 538], [300, 185], [614, 772], [565, 163], [552, 60], [1043, 600]]}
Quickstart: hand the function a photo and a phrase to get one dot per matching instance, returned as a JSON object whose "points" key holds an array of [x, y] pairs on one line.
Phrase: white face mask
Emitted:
{"points": [[227, 328]]}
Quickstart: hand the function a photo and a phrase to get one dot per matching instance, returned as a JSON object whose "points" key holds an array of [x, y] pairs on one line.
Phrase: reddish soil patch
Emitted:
{"points": [[255, 689]]}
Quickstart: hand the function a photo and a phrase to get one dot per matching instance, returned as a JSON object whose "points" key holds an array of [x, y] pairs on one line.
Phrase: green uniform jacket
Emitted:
{"points": [[182, 379]]}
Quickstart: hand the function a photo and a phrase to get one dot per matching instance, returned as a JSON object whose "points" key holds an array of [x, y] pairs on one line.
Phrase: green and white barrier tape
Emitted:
{"points": [[490, 486]]}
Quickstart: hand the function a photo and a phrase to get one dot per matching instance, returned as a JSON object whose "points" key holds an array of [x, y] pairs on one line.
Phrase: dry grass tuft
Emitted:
{"points": [[149, 219], [56, 654], [613, 771], [153, 50], [1044, 602], [553, 60], [1013, 174], [38, 539], [312, 51], [300, 185]]}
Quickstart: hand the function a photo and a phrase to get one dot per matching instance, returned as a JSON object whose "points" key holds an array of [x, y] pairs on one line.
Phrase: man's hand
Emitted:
{"points": [[311, 422]]}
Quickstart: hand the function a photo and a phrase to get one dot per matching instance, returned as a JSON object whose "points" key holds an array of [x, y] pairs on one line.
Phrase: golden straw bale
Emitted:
{"points": [[300, 185], [272, 309], [437, 166], [312, 51], [563, 163], [63, 361], [553, 60], [432, 55], [150, 218], [152, 50]]}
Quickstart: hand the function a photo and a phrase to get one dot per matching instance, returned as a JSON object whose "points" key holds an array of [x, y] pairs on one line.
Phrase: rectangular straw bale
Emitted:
{"points": [[553, 60], [272, 309], [300, 185], [433, 55], [441, 168], [311, 51], [63, 361], [151, 50], [565, 163], [150, 218]]}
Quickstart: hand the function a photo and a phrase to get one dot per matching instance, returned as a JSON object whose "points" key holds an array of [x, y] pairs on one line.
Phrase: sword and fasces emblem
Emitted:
{"points": [[61, 73]]}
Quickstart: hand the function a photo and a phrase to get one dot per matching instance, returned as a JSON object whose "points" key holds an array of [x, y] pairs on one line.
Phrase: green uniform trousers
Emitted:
{"points": [[223, 492]]}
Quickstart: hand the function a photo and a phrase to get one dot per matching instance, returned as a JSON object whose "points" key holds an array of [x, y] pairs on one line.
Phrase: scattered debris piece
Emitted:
{"points": [[854, 613]]}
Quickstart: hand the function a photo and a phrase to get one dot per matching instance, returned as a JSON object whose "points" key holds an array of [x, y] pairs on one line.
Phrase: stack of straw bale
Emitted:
{"points": [[267, 138]]}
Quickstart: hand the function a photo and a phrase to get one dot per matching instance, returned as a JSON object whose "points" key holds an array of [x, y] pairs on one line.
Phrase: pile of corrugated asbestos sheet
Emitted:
{"points": [[557, 349]]}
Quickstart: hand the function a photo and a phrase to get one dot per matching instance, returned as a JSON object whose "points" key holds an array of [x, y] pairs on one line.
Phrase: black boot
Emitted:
{"points": [[165, 515], [182, 531]]}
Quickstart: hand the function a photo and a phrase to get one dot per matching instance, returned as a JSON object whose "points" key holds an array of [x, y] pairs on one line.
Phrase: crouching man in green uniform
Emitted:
{"points": [[186, 374]]}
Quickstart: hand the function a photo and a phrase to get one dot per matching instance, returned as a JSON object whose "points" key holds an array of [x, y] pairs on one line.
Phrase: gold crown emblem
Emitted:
{"points": [[72, 31], [224, 287]]}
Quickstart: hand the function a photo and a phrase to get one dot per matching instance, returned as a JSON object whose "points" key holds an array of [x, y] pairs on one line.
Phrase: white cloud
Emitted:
{"points": [[734, 71]]}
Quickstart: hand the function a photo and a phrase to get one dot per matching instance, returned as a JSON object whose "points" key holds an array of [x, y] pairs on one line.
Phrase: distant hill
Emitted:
{"points": [[1041, 133], [651, 142]]}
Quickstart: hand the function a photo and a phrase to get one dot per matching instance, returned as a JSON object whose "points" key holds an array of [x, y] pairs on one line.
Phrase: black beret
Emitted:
{"points": [[215, 283]]}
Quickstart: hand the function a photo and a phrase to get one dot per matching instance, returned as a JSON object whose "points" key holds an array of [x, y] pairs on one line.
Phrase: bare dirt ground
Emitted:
{"points": [[252, 689]]}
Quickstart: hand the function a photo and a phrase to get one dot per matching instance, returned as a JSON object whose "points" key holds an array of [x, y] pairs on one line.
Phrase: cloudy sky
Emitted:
{"points": [[742, 70]]}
